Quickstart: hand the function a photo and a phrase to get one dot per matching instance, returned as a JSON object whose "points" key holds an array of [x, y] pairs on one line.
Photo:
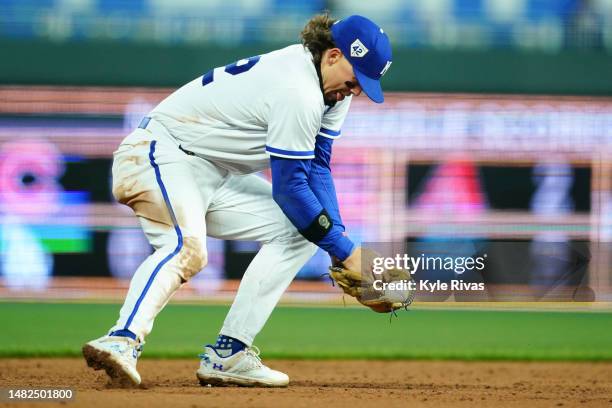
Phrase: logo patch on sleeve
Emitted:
{"points": [[324, 221], [358, 49]]}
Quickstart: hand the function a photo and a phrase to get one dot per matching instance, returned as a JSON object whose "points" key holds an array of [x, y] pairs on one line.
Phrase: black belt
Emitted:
{"points": [[145, 122], [187, 151]]}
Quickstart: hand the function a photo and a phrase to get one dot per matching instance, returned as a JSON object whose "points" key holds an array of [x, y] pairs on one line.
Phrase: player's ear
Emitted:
{"points": [[333, 55]]}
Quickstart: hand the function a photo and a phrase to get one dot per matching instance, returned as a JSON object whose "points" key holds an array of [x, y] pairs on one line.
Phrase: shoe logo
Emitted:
{"points": [[358, 49], [134, 354], [217, 366]]}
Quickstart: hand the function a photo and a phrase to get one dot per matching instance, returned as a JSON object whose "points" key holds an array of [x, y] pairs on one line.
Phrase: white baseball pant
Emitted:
{"points": [[179, 199]]}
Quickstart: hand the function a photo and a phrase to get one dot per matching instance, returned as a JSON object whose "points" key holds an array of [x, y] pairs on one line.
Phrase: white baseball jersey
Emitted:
{"points": [[238, 115]]}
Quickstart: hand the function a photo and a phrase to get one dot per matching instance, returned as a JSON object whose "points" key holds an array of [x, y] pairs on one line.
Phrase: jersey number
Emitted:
{"points": [[235, 68]]}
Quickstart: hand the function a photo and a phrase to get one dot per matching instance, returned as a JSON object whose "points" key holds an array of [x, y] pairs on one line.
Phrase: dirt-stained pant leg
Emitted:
{"points": [[243, 208], [154, 178]]}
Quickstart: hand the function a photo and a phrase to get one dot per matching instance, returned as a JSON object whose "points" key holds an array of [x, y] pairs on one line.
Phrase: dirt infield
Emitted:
{"points": [[172, 383]]}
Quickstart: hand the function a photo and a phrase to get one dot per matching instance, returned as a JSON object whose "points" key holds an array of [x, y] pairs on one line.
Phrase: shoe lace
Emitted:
{"points": [[139, 347], [128, 346], [255, 360]]}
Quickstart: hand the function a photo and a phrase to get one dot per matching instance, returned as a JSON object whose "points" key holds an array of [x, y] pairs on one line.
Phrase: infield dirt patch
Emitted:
{"points": [[172, 383]]}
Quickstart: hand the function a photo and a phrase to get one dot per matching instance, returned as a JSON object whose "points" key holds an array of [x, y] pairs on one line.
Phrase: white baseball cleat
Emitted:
{"points": [[243, 368], [117, 355]]}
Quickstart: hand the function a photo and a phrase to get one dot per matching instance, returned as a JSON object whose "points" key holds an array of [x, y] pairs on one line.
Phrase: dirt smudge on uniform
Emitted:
{"points": [[137, 160], [150, 205], [192, 257], [123, 189]]}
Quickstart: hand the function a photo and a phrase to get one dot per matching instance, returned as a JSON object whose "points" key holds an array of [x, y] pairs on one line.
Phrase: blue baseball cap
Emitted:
{"points": [[367, 48]]}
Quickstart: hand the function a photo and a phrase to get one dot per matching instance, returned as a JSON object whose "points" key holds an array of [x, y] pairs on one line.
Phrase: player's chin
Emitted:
{"points": [[330, 99]]}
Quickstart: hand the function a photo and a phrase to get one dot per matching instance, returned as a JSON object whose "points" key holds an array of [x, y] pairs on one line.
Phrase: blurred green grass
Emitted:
{"points": [[59, 329]]}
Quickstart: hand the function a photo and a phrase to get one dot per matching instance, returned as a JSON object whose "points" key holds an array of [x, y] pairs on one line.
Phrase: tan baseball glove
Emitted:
{"points": [[383, 293]]}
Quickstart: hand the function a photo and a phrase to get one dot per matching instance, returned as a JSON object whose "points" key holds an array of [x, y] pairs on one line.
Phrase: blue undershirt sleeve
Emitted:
{"points": [[321, 181], [294, 195]]}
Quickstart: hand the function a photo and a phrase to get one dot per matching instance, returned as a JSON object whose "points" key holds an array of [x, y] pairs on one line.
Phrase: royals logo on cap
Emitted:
{"points": [[366, 46]]}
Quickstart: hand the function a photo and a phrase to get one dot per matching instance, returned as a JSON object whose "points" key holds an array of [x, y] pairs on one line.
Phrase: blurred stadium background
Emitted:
{"points": [[497, 130]]}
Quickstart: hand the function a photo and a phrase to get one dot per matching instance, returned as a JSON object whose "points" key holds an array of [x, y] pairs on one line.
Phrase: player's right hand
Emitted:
{"points": [[353, 262]]}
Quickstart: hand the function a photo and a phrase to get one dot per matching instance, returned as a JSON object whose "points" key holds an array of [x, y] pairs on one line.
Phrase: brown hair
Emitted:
{"points": [[317, 36]]}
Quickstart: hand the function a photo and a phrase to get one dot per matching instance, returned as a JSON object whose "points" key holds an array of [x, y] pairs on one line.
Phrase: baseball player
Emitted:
{"points": [[188, 171]]}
